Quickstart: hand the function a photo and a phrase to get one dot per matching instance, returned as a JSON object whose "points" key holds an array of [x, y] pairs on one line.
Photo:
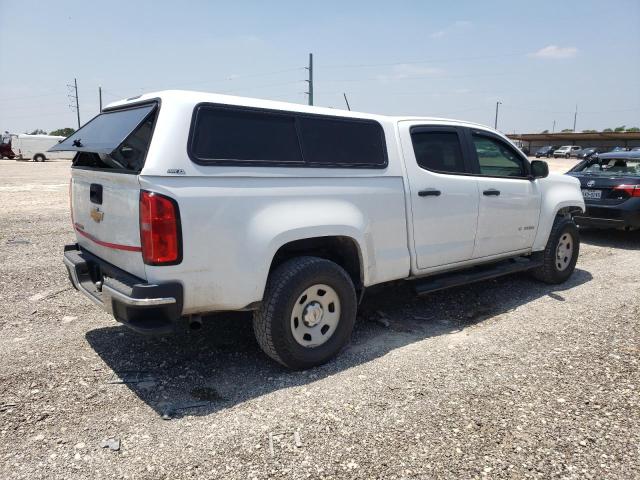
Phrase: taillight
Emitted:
{"points": [[631, 190], [159, 229]]}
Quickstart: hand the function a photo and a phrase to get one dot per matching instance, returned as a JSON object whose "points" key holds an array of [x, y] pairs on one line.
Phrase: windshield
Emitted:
{"points": [[613, 167]]}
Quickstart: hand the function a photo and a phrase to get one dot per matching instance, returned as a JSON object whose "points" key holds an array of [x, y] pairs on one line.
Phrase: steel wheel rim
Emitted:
{"points": [[564, 251], [315, 315]]}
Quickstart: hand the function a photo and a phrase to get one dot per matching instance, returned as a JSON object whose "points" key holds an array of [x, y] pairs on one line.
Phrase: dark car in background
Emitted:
{"points": [[587, 152], [610, 184], [546, 151]]}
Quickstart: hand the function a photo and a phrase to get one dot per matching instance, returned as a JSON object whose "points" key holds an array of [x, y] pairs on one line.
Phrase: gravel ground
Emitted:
{"points": [[508, 378]]}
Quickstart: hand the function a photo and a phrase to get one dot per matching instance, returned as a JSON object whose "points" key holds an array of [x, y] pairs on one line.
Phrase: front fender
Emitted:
{"points": [[558, 192]]}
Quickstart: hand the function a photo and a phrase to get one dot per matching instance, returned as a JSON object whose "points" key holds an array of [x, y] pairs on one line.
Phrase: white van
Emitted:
{"points": [[34, 147]]}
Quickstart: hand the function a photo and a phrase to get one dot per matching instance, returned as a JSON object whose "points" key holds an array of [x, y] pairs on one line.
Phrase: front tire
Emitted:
{"points": [[38, 157], [561, 253], [307, 314]]}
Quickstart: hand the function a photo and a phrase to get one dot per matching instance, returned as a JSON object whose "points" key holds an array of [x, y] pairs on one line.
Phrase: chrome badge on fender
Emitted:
{"points": [[96, 214]]}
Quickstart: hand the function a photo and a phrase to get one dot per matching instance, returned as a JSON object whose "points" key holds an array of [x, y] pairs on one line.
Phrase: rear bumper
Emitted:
{"points": [[143, 307], [611, 216]]}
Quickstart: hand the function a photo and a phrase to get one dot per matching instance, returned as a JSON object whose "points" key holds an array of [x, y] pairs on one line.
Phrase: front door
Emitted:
{"points": [[443, 198], [509, 207]]}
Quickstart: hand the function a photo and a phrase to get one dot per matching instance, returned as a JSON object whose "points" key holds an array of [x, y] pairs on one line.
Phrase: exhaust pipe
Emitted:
{"points": [[195, 322]]}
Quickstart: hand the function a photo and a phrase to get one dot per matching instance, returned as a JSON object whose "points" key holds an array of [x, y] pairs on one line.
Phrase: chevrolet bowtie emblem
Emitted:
{"points": [[96, 214]]}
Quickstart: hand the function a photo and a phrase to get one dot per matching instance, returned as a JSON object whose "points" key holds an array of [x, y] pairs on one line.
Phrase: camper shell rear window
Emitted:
{"points": [[234, 135], [115, 140]]}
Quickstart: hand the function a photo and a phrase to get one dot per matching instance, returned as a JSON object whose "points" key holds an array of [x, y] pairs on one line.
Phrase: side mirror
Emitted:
{"points": [[539, 169]]}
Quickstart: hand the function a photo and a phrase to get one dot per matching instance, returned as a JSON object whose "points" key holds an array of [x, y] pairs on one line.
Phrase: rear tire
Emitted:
{"points": [[38, 157], [295, 325], [561, 253]]}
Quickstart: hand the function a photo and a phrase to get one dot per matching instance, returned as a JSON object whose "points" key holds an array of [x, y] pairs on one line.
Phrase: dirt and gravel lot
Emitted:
{"points": [[503, 379]]}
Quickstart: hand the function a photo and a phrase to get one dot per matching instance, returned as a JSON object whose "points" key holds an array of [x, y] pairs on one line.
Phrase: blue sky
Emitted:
{"points": [[453, 59]]}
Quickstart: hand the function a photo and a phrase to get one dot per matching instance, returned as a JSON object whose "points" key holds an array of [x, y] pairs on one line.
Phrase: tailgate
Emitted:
{"points": [[105, 208], [105, 193]]}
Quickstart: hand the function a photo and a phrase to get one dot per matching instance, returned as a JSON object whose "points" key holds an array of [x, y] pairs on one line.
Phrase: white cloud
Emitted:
{"points": [[438, 34], [555, 52]]}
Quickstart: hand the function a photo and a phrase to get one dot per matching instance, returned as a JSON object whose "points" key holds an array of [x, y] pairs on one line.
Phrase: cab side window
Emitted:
{"points": [[497, 159], [438, 151]]}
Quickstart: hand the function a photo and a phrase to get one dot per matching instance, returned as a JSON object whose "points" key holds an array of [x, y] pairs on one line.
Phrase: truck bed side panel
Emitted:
{"points": [[233, 226]]}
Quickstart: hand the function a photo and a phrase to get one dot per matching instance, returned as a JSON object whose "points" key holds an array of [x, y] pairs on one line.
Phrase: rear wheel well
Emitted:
{"points": [[341, 250]]}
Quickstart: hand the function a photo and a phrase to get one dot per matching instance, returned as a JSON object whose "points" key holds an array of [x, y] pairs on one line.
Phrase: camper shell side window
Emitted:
{"points": [[235, 135]]}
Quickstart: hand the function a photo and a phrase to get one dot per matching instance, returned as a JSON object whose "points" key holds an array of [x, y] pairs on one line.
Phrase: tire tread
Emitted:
{"points": [[275, 293], [547, 272]]}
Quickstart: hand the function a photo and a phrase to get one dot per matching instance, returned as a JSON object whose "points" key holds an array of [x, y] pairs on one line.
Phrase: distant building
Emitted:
{"points": [[534, 141]]}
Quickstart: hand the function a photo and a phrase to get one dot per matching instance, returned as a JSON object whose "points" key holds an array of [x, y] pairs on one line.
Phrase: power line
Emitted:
{"points": [[47, 114], [259, 87], [542, 110], [9, 99], [230, 78], [418, 77], [417, 62]]}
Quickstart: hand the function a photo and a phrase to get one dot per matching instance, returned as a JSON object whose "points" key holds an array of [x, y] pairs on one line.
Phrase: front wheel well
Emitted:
{"points": [[569, 211], [339, 249]]}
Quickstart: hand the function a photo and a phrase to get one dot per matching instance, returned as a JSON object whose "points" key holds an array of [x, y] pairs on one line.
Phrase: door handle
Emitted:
{"points": [[95, 193], [429, 192], [491, 192]]}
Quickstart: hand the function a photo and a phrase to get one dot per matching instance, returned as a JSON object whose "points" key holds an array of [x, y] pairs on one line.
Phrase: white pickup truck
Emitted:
{"points": [[185, 203]]}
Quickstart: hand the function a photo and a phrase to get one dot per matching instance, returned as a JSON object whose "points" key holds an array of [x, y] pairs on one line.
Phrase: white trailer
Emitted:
{"points": [[34, 147]]}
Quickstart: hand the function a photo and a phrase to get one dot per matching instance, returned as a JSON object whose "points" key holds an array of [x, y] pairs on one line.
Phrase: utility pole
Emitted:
{"points": [[553, 129], [310, 81], [495, 126], [575, 117], [73, 96], [100, 97], [346, 101]]}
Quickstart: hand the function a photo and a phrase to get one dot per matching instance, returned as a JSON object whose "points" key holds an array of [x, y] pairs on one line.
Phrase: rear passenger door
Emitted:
{"points": [[443, 196], [509, 202]]}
